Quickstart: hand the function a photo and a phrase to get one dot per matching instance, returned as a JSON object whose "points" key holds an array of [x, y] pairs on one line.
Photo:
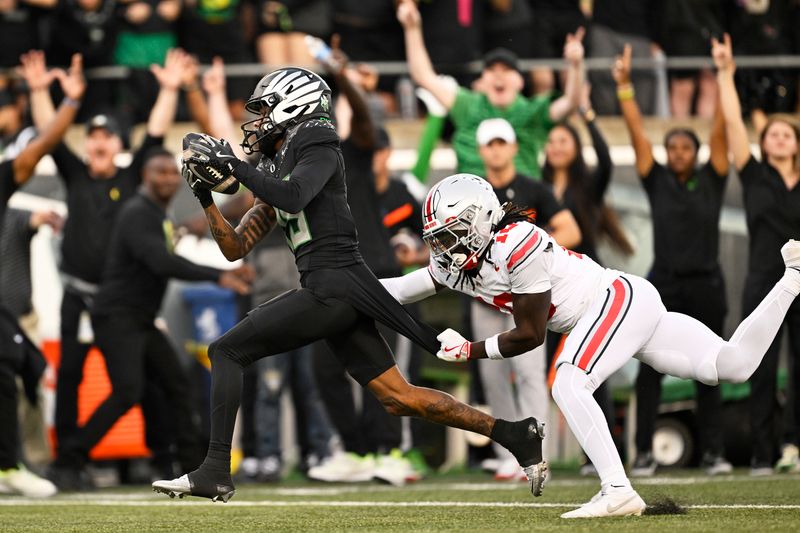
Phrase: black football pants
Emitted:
{"points": [[338, 305], [134, 349]]}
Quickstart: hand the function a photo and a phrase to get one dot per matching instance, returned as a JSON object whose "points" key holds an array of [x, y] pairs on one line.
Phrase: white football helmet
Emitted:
{"points": [[459, 218]]}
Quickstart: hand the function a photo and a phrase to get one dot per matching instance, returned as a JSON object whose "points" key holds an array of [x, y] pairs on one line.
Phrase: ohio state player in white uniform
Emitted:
{"points": [[498, 255]]}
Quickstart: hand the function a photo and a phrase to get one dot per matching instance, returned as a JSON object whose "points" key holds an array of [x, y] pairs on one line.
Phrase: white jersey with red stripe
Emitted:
{"points": [[524, 259]]}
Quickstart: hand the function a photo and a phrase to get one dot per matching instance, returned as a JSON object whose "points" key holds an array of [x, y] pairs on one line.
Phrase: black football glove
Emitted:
{"points": [[203, 195], [210, 163]]}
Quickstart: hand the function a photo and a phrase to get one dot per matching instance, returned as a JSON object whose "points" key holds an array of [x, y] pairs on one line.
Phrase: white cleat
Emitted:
{"points": [[537, 475], [179, 487], [182, 486], [625, 502], [791, 254]]}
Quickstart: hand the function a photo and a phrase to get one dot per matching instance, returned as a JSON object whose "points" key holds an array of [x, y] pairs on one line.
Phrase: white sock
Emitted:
{"points": [[573, 394], [742, 355]]}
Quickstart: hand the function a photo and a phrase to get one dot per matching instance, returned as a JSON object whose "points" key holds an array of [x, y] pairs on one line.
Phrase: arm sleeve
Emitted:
{"points": [[431, 133], [412, 287], [316, 166], [67, 163], [148, 244], [602, 174], [138, 156]]}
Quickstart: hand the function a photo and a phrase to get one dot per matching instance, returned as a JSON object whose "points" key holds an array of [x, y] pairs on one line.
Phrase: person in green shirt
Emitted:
{"points": [[497, 94]]}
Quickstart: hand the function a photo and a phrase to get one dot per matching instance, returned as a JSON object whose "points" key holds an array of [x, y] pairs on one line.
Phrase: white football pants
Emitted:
{"points": [[629, 320]]}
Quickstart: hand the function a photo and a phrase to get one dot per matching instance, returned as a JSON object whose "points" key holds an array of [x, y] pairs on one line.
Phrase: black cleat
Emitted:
{"points": [[197, 483]]}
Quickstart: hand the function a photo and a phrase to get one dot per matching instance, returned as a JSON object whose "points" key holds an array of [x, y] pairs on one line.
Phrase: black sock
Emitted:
{"points": [[518, 437], [226, 393]]}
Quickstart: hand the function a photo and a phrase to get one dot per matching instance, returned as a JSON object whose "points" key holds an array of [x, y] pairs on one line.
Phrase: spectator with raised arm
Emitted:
{"points": [[685, 202], [15, 348], [771, 189], [98, 183], [499, 96]]}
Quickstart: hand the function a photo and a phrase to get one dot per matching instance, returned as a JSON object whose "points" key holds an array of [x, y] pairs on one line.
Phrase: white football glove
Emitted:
{"points": [[455, 348]]}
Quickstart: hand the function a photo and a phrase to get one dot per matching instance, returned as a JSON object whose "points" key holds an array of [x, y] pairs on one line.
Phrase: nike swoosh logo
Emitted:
{"points": [[614, 508], [220, 154], [447, 349]]}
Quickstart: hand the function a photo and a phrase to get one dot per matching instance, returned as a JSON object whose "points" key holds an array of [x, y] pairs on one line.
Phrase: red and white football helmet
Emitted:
{"points": [[459, 218]]}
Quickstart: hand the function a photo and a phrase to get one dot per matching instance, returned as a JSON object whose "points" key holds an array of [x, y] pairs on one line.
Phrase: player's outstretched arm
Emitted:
{"points": [[412, 287], [631, 113], [235, 243], [530, 327]]}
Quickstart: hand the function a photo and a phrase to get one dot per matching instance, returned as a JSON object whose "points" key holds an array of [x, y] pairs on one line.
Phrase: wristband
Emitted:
{"points": [[70, 102], [625, 92], [492, 347]]}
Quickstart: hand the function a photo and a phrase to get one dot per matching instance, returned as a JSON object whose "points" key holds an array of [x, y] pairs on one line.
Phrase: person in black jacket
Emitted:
{"points": [[140, 262], [685, 202], [15, 349], [96, 189]]}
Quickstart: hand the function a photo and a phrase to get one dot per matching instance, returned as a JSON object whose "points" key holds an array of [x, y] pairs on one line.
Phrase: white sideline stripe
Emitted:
{"points": [[163, 503]]}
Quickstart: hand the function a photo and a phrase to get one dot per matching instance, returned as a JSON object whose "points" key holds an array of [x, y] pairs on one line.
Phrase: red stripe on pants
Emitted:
{"points": [[605, 326]]}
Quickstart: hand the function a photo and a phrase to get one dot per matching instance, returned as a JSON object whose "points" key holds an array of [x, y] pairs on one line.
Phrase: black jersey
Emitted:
{"points": [[305, 184], [141, 260]]}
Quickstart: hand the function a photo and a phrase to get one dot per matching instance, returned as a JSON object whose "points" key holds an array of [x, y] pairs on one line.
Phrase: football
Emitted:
{"points": [[203, 172]]}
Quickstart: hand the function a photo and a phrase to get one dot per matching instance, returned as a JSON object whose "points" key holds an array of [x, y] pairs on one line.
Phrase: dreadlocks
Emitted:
{"points": [[516, 213]]}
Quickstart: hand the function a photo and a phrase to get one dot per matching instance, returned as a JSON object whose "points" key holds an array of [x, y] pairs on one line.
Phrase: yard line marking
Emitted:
{"points": [[163, 503]]}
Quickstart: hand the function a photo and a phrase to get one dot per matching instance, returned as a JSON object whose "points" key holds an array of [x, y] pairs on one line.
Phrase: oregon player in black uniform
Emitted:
{"points": [[300, 183]]}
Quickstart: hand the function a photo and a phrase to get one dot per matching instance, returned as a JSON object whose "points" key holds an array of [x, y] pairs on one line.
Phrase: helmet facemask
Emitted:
{"points": [[260, 133], [458, 244]]}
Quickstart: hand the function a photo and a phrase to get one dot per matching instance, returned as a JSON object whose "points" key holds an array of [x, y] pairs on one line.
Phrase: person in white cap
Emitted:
{"points": [[497, 146]]}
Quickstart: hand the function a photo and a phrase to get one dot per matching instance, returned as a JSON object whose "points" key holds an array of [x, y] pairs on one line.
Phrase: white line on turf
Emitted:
{"points": [[310, 503]]}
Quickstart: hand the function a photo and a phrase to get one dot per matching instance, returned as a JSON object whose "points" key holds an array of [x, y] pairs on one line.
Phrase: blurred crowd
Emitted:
{"points": [[518, 129], [138, 33]]}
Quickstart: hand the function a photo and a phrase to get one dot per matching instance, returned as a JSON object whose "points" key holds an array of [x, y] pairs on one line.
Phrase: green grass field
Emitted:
{"points": [[443, 503]]}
